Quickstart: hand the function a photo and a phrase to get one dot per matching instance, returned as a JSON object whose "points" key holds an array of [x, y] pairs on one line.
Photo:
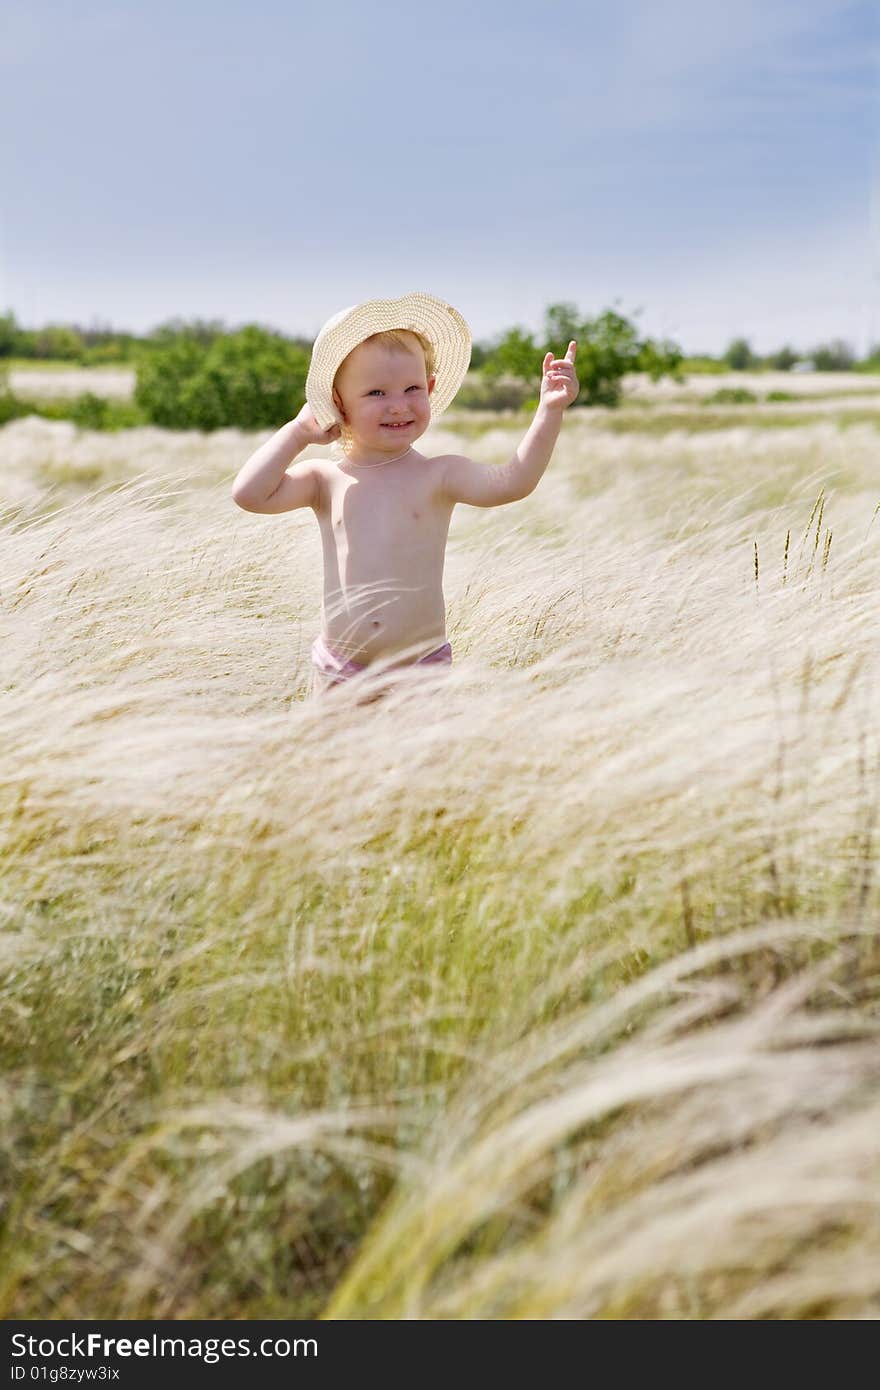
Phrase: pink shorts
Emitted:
{"points": [[336, 669]]}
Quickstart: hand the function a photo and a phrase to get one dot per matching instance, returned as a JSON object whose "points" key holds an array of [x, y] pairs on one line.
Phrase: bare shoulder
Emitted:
{"points": [[463, 479]]}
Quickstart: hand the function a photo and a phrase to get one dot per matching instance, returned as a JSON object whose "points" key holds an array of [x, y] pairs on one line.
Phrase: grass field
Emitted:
{"points": [[547, 987]]}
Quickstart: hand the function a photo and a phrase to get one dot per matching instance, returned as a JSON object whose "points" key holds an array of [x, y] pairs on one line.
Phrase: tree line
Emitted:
{"points": [[200, 374]]}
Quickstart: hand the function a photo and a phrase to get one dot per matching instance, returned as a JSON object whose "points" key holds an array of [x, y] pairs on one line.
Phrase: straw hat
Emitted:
{"points": [[442, 325]]}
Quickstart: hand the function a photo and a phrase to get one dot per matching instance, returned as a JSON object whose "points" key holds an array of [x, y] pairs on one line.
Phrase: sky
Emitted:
{"points": [[708, 169]]}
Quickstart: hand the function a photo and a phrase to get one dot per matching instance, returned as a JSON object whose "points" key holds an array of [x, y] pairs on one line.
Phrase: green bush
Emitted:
{"points": [[88, 411], [175, 330], [660, 359], [836, 356], [107, 354], [93, 412], [871, 361], [24, 344], [739, 356], [12, 407], [601, 365], [608, 347], [59, 342], [783, 360], [516, 355], [9, 334], [731, 395], [780, 396], [252, 378]]}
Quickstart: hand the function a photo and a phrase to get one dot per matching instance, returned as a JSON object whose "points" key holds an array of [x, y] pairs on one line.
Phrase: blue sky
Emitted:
{"points": [[710, 164]]}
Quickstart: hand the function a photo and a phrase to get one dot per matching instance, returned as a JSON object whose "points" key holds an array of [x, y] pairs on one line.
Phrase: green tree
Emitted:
{"points": [[609, 346], [660, 359], [109, 353], [252, 378], [739, 356], [479, 354], [871, 360], [836, 356], [562, 322], [515, 354], [783, 360], [8, 335], [203, 332], [58, 341]]}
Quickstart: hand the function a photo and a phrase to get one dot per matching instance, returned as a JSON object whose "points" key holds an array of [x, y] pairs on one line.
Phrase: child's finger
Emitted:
{"points": [[572, 349], [548, 358]]}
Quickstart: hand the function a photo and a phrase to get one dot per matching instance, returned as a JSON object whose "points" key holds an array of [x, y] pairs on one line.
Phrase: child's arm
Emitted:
{"points": [[488, 485], [265, 484]]}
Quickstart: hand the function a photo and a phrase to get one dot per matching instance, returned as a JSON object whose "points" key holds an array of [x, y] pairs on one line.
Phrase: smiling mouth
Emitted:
{"points": [[401, 425]]}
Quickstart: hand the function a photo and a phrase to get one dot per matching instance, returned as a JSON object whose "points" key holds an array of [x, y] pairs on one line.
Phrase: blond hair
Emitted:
{"points": [[389, 338]]}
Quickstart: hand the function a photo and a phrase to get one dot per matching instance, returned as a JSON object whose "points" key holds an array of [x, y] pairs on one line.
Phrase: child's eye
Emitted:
{"points": [[376, 391]]}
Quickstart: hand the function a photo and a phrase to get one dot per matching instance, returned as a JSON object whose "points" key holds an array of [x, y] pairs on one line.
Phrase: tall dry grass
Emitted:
{"points": [[545, 987]]}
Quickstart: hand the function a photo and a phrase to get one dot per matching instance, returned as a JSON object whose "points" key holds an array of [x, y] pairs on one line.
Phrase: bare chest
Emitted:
{"points": [[386, 511]]}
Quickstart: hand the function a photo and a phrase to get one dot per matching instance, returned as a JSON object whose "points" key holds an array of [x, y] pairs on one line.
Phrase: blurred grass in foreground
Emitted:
{"points": [[546, 987]]}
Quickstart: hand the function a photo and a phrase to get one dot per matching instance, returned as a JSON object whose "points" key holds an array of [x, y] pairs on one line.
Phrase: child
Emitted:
{"points": [[380, 372]]}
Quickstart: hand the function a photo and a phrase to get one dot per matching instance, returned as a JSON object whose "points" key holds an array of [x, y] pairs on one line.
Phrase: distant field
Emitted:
{"points": [[54, 380], [547, 988], [826, 390], [698, 385]]}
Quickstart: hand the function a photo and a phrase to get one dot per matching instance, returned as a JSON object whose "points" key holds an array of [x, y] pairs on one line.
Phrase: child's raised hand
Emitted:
{"points": [[559, 385], [311, 432]]}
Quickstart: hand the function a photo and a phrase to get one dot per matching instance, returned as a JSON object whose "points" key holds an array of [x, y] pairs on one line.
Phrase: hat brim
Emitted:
{"points": [[440, 323]]}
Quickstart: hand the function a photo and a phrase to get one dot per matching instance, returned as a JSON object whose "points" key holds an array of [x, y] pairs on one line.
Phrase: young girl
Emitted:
{"points": [[380, 372]]}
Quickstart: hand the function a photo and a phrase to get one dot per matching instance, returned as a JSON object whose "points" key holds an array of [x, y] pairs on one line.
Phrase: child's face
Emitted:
{"points": [[377, 387]]}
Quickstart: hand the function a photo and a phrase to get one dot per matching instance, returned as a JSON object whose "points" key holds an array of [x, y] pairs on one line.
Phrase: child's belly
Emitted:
{"points": [[380, 600], [410, 628]]}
